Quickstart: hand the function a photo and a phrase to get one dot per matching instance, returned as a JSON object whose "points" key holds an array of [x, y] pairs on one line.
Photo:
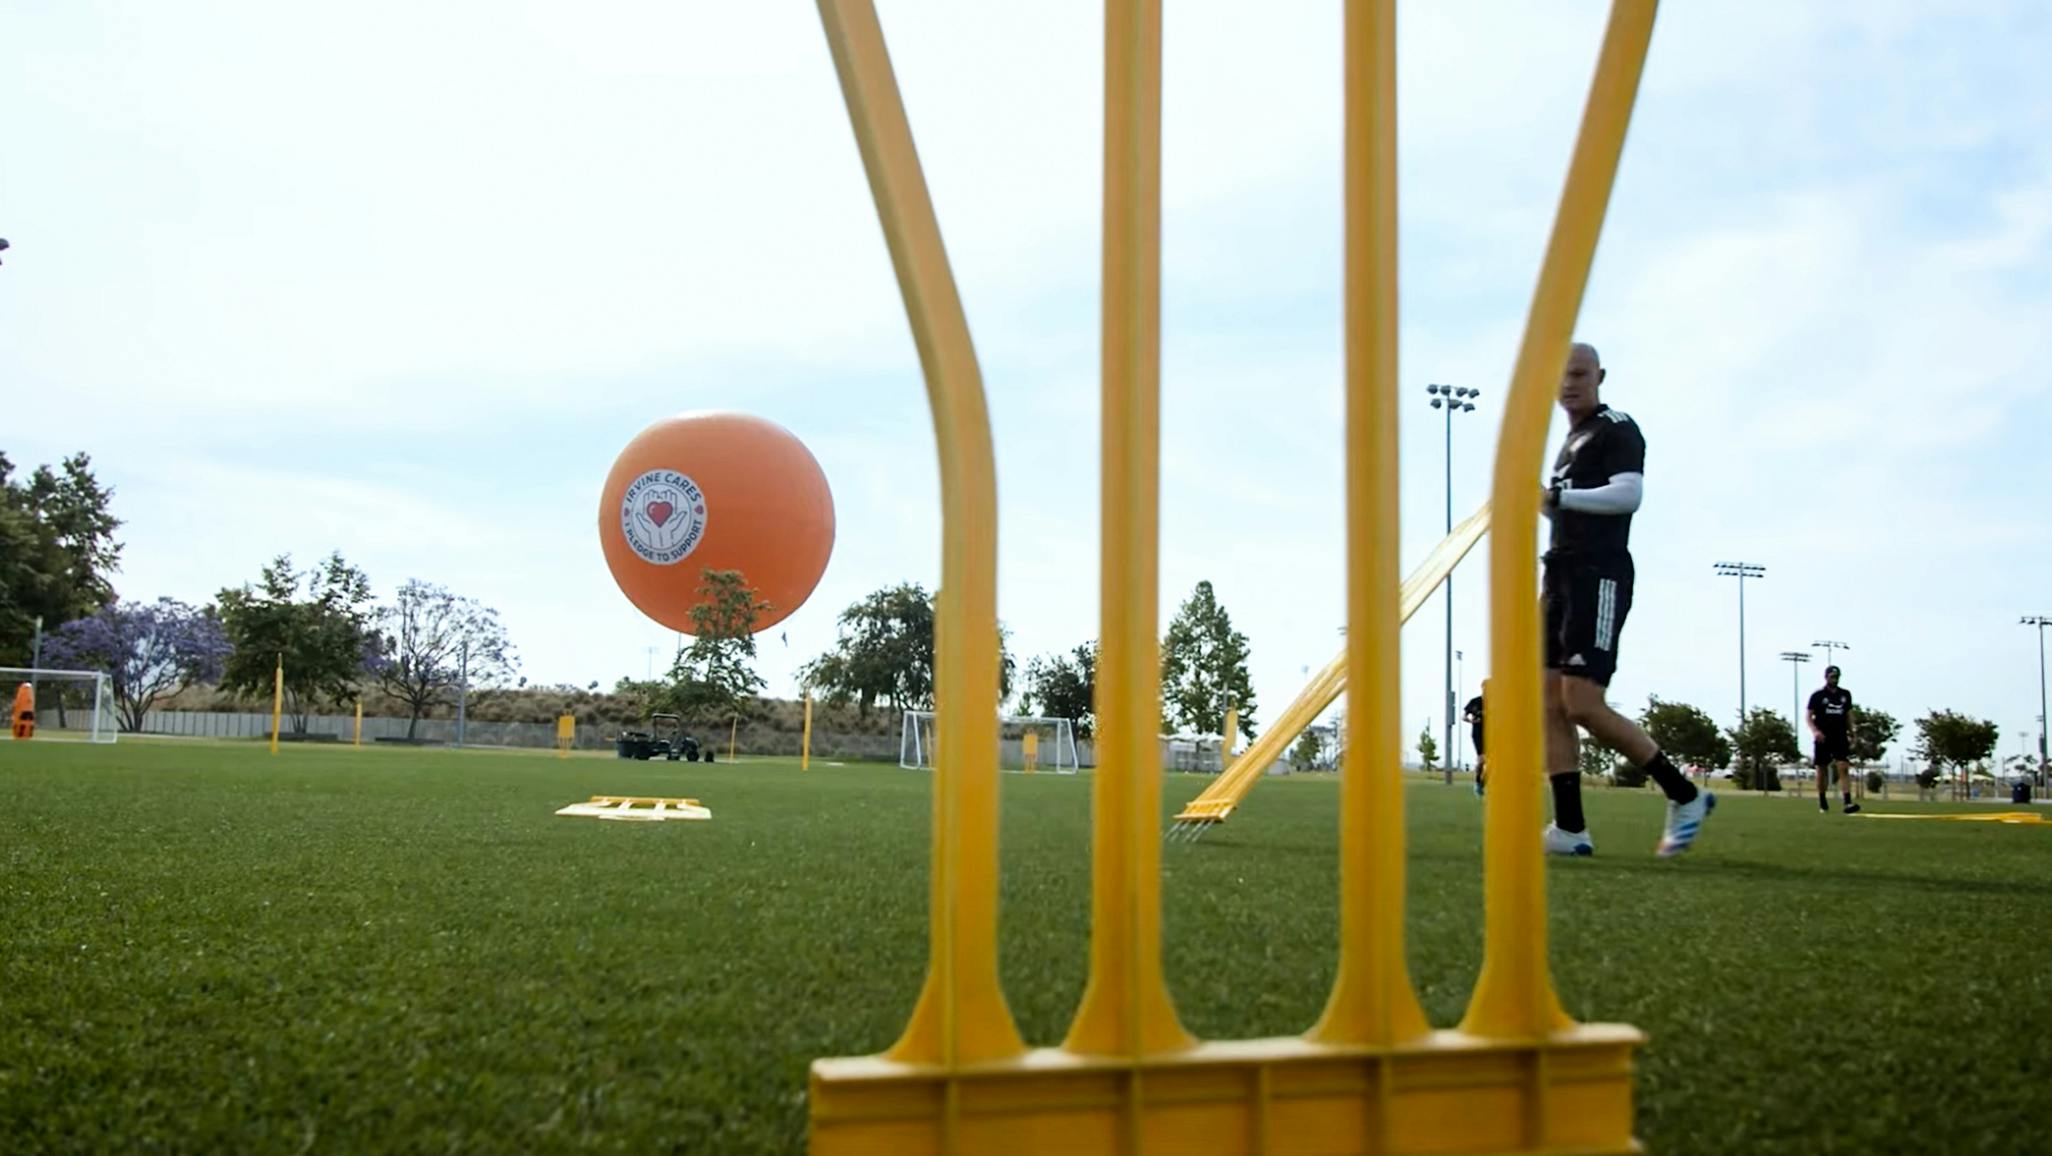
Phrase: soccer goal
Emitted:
{"points": [[73, 705], [1025, 744]]}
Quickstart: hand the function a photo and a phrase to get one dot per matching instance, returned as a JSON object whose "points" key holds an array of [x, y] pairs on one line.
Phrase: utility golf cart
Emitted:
{"points": [[664, 739]]}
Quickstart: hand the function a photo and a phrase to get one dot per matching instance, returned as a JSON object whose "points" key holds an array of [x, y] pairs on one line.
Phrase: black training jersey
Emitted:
{"points": [[1832, 707], [1598, 448]]}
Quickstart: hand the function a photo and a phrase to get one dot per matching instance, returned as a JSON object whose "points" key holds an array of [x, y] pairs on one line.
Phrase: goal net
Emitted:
{"points": [[1025, 744], [75, 705]]}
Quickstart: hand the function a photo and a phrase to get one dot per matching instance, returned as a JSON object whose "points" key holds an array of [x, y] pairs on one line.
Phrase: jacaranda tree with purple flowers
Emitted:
{"points": [[149, 651]]}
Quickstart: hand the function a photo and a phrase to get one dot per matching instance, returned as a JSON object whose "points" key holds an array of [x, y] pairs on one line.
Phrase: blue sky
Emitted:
{"points": [[401, 281]]}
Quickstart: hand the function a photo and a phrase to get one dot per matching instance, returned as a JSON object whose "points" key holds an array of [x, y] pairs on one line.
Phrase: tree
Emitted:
{"points": [[324, 634], [1765, 742], [1008, 667], [1596, 758], [639, 698], [1872, 731], [885, 654], [1309, 749], [148, 651], [1946, 739], [1203, 666], [1685, 734], [428, 639], [1428, 750], [1064, 686], [57, 551], [714, 677]]}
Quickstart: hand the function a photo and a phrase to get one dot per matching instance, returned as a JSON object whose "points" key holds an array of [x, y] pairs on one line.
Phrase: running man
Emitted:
{"points": [[1831, 710], [1586, 592]]}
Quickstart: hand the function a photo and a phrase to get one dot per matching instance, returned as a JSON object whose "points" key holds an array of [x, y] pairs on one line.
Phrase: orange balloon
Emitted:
{"points": [[715, 491]]}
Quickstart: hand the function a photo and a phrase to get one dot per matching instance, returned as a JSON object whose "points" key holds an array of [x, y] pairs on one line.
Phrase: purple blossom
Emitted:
{"points": [[148, 651]]}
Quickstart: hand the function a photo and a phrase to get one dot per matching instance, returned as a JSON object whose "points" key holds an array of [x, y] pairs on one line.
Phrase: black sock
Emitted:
{"points": [[1672, 782], [1567, 803], [1848, 798]]}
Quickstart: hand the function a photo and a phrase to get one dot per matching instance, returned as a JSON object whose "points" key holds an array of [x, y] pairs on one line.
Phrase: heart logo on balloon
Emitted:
{"points": [[662, 516]]}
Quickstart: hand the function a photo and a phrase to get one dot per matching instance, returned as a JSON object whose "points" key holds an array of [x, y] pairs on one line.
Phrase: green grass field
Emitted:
{"points": [[212, 950]]}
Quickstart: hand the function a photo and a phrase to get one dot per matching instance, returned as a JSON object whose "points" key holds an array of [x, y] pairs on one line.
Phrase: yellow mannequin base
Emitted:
{"points": [[1446, 1093]]}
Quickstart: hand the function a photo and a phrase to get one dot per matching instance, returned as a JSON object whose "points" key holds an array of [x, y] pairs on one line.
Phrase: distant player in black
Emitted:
{"points": [[1831, 710], [1472, 713], [1587, 591]]}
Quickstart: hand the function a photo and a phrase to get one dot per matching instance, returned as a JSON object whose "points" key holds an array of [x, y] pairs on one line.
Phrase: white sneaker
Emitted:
{"points": [[1684, 821], [1559, 842]]}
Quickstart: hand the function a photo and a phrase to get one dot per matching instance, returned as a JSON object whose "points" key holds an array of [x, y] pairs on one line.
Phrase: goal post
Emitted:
{"points": [[1027, 744], [70, 705]]}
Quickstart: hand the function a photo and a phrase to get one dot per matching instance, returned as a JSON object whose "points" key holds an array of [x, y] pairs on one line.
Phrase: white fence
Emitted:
{"points": [[429, 731], [1183, 755], [442, 732]]}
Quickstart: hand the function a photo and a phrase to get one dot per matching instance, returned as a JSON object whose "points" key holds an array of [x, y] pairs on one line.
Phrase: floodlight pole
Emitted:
{"points": [[1453, 400], [1741, 571], [2041, 621], [1828, 647], [1794, 659], [1460, 688]]}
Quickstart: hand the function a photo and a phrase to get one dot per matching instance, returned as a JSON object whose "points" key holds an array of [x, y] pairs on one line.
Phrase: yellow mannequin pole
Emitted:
{"points": [[733, 727], [1514, 996], [1126, 1008], [1372, 1001], [961, 1016], [277, 702], [805, 744], [358, 739]]}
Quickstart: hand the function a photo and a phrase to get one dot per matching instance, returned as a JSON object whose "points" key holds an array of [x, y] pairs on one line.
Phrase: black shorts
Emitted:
{"points": [[1586, 600], [1831, 750]]}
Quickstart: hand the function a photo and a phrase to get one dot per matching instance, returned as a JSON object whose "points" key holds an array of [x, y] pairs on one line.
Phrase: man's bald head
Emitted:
{"points": [[1580, 380]]}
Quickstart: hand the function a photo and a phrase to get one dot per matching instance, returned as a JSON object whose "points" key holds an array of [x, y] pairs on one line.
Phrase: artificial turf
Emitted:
{"points": [[208, 949]]}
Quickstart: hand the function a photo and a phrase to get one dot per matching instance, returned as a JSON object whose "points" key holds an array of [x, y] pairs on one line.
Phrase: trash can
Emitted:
{"points": [[2020, 791]]}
